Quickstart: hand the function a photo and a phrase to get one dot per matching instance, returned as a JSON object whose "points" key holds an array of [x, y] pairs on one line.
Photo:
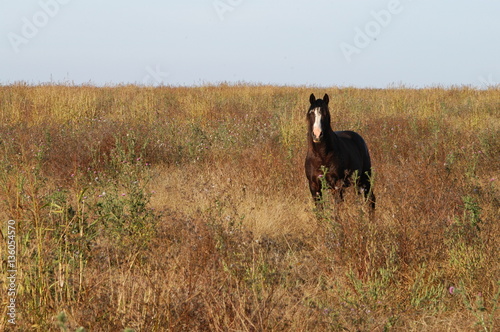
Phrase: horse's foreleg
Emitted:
{"points": [[338, 193], [315, 192], [367, 191], [371, 199]]}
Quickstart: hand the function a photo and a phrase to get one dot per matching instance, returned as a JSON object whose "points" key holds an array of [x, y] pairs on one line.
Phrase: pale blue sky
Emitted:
{"points": [[363, 43]]}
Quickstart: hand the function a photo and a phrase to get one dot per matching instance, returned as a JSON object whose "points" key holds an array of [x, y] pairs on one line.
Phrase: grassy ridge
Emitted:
{"points": [[188, 209]]}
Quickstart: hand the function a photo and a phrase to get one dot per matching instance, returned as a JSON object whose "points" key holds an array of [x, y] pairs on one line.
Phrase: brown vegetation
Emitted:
{"points": [[187, 209]]}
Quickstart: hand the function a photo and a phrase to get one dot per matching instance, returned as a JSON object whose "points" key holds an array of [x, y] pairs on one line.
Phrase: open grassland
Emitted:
{"points": [[187, 209]]}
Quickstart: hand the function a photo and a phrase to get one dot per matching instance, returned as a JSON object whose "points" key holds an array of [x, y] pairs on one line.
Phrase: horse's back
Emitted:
{"points": [[352, 135]]}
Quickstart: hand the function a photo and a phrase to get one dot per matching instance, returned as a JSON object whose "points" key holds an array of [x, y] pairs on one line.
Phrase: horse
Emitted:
{"points": [[335, 155]]}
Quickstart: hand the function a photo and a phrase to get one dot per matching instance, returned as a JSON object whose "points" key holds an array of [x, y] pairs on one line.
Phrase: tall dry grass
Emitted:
{"points": [[187, 209]]}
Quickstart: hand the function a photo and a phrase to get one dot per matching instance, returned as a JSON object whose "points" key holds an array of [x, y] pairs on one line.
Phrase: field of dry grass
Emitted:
{"points": [[187, 209]]}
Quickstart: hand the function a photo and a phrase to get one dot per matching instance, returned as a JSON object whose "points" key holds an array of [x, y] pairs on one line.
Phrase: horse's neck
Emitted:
{"points": [[328, 147]]}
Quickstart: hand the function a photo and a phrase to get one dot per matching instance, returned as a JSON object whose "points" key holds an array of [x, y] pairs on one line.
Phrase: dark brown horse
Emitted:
{"points": [[340, 153]]}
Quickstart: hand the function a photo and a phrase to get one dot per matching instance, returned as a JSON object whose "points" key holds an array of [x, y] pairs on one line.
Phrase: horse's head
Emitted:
{"points": [[318, 117]]}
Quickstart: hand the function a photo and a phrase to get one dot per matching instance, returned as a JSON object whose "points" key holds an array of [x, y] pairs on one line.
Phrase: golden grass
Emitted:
{"points": [[179, 208]]}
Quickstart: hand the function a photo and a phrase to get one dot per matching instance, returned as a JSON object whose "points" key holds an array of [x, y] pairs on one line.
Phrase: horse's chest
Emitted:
{"points": [[328, 166], [333, 166], [331, 174]]}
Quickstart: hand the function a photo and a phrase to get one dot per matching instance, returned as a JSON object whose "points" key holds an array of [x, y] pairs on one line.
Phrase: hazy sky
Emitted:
{"points": [[362, 43]]}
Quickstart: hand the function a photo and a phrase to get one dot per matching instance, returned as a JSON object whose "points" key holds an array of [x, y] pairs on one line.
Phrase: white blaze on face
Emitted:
{"points": [[317, 124]]}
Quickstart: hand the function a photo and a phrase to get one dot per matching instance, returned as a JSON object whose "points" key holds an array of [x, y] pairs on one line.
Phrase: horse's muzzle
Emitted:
{"points": [[317, 134], [317, 139]]}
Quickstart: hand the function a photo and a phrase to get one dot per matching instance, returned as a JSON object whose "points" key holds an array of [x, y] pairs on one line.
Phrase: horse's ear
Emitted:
{"points": [[312, 98], [326, 99]]}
